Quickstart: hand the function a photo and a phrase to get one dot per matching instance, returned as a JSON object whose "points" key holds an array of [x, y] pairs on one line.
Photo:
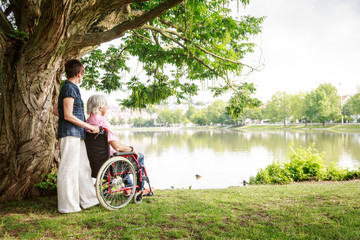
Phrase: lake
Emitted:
{"points": [[224, 158]]}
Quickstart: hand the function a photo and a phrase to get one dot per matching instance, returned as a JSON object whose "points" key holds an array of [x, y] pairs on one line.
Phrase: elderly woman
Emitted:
{"points": [[96, 108]]}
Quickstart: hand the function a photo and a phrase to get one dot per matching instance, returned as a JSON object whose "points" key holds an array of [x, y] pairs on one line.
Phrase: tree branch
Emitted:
{"points": [[142, 36], [98, 16], [26, 14], [170, 24], [8, 10], [51, 25], [93, 39], [84, 15], [197, 46], [165, 34], [5, 25], [155, 38], [100, 6], [150, 40], [16, 10]]}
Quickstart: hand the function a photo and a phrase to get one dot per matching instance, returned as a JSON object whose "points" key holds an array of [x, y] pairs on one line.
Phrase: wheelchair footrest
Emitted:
{"points": [[148, 194]]}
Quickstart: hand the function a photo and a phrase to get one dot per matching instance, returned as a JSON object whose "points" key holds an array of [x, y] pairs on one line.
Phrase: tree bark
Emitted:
{"points": [[27, 143]]}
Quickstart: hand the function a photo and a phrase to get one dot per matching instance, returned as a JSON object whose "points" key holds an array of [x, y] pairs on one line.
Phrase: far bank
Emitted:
{"points": [[252, 127]]}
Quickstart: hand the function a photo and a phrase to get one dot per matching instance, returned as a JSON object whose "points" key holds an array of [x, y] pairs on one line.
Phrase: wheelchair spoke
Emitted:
{"points": [[115, 183]]}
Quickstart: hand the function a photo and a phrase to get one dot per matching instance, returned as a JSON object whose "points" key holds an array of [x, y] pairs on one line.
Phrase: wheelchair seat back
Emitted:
{"points": [[98, 150]]}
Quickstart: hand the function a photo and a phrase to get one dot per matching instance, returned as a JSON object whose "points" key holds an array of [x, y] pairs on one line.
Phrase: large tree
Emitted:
{"points": [[296, 102], [322, 104], [196, 38], [278, 108], [353, 104]]}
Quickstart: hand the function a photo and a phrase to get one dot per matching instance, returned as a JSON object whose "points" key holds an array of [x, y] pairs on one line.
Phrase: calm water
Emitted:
{"points": [[225, 158]]}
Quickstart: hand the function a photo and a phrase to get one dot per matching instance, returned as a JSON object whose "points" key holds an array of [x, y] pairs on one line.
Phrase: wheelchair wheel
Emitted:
{"points": [[138, 197], [116, 183]]}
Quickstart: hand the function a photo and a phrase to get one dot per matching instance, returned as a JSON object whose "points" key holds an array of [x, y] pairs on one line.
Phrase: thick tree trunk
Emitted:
{"points": [[27, 143]]}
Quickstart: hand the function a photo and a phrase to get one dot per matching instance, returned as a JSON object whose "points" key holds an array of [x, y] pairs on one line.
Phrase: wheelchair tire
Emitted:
{"points": [[111, 181], [138, 197]]}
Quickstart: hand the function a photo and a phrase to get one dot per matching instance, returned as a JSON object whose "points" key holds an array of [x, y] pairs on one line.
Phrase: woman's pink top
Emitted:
{"points": [[98, 120]]}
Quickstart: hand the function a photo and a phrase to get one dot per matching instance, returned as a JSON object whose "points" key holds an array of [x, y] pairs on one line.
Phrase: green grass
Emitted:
{"points": [[317, 210], [345, 126]]}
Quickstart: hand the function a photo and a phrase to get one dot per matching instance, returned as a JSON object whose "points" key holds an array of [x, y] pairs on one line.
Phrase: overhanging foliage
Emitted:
{"points": [[194, 41]]}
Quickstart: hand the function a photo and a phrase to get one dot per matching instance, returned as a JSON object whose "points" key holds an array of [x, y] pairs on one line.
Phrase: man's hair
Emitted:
{"points": [[73, 67]]}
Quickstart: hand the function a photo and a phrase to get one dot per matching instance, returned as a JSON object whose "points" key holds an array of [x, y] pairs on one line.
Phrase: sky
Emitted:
{"points": [[303, 44]]}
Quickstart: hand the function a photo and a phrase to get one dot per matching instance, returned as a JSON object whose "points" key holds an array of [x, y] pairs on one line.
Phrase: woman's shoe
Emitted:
{"points": [[146, 191]]}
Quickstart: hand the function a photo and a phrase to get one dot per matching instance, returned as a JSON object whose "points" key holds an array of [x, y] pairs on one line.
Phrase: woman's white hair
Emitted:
{"points": [[94, 103]]}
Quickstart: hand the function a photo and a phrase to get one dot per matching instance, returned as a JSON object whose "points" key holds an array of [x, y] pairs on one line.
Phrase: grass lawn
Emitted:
{"points": [[318, 210]]}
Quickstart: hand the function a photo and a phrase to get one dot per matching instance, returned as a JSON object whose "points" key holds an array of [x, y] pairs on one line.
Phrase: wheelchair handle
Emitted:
{"points": [[101, 131]]}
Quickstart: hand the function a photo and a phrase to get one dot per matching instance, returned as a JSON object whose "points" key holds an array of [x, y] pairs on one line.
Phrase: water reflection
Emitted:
{"points": [[226, 158]]}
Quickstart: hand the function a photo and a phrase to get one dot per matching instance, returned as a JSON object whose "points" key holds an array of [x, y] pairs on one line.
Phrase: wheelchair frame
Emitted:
{"points": [[119, 178]]}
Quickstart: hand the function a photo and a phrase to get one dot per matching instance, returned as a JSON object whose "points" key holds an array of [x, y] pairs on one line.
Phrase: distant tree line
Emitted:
{"points": [[211, 115], [317, 106]]}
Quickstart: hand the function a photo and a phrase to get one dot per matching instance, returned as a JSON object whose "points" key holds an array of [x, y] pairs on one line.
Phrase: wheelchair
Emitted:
{"points": [[119, 178]]}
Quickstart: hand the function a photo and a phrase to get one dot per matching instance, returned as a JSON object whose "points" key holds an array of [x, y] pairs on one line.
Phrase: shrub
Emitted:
{"points": [[273, 173], [336, 173], [49, 181], [303, 164], [354, 174]]}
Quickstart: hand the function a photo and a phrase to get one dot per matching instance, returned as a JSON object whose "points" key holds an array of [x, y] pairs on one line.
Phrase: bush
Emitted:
{"points": [[336, 173], [49, 181], [273, 173], [303, 164]]}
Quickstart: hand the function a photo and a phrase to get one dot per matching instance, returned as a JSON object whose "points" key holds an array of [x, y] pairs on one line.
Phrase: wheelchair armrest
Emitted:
{"points": [[123, 153]]}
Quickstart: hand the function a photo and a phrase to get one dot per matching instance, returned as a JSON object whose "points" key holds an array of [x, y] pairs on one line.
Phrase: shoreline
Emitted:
{"points": [[253, 127]]}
